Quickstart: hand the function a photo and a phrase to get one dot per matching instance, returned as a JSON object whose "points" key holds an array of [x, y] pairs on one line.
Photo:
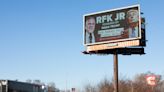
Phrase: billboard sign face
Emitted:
{"points": [[151, 80], [112, 26]]}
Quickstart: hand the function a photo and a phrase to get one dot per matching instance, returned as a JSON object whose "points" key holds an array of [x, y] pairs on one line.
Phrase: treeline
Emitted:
{"points": [[138, 84]]}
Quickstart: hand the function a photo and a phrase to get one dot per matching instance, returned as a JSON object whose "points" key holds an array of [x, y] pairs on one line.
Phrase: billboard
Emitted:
{"points": [[112, 26], [151, 80]]}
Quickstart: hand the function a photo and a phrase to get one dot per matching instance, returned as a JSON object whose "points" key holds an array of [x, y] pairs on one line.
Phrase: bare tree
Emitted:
{"points": [[138, 84], [105, 86], [125, 85], [90, 88]]}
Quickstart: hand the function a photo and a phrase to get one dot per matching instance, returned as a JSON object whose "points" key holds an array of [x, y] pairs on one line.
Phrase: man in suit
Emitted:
{"points": [[90, 27], [133, 22]]}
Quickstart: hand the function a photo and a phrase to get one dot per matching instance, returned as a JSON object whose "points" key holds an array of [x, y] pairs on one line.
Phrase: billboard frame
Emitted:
{"points": [[112, 41]]}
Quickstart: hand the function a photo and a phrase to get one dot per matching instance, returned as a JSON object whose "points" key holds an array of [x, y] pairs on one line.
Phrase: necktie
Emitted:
{"points": [[133, 33], [90, 38]]}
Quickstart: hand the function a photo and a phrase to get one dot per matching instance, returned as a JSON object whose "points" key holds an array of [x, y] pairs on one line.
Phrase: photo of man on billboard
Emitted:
{"points": [[90, 28], [111, 26], [133, 23]]}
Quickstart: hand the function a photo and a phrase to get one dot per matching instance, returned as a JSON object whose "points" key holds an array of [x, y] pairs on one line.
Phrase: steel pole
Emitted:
{"points": [[116, 72]]}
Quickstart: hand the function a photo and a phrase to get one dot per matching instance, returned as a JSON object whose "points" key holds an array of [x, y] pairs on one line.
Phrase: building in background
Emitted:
{"points": [[16, 86]]}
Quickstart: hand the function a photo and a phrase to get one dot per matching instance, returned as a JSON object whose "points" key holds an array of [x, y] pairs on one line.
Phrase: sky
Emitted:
{"points": [[43, 39]]}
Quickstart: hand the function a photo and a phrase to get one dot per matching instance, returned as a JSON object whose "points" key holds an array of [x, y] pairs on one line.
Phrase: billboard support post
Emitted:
{"points": [[116, 31], [115, 62]]}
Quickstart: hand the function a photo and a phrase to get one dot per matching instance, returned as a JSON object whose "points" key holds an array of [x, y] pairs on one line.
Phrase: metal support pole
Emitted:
{"points": [[115, 72]]}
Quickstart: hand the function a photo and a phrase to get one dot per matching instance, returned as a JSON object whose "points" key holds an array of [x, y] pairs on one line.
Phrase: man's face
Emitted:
{"points": [[90, 25], [133, 16]]}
